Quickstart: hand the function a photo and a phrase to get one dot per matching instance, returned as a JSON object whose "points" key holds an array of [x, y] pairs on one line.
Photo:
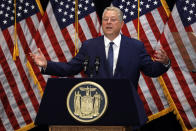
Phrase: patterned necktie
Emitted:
{"points": [[111, 58]]}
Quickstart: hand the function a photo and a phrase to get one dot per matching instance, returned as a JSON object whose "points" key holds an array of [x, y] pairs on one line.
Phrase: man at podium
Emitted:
{"points": [[112, 55]]}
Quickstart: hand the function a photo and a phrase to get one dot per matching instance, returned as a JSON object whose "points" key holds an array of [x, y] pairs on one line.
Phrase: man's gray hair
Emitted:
{"points": [[113, 8]]}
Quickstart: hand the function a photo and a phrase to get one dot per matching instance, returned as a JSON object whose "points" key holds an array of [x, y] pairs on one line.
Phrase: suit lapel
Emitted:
{"points": [[101, 48], [102, 54], [121, 55]]}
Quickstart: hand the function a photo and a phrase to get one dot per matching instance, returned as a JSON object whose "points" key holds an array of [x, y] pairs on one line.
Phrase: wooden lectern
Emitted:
{"points": [[124, 112]]}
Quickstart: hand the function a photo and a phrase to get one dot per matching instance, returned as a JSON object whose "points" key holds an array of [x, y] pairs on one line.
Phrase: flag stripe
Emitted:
{"points": [[15, 90], [2, 128], [31, 26], [132, 30], [146, 106], [39, 16], [87, 33], [150, 40], [148, 97], [143, 38], [184, 38], [125, 30], [32, 48], [20, 78], [91, 26], [192, 39], [160, 21], [148, 81], [59, 35], [183, 81], [40, 44], [153, 91], [176, 74], [153, 26], [47, 46], [6, 85], [96, 21], [26, 50], [21, 105], [21, 70], [160, 93], [71, 31], [148, 34], [81, 34], [183, 51], [69, 41], [7, 108], [193, 27], [54, 41], [163, 14]]}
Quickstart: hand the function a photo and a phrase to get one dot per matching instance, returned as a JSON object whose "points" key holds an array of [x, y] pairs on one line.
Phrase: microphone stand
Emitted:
{"points": [[97, 64], [90, 68], [86, 64]]}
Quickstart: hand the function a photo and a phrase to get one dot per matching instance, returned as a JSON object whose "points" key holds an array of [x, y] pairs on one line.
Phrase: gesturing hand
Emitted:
{"points": [[39, 58], [161, 56]]}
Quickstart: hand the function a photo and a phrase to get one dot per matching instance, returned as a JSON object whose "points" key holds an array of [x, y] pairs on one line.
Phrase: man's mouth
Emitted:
{"points": [[109, 28]]}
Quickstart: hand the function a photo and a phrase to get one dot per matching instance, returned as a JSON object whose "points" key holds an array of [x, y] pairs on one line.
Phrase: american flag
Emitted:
{"points": [[152, 20], [19, 95], [179, 41], [56, 36]]}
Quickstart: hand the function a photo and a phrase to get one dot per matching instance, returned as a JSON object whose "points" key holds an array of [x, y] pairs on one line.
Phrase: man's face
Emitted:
{"points": [[111, 24]]}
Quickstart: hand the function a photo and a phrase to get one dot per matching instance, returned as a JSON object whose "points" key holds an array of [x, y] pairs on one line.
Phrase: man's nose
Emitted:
{"points": [[109, 20]]}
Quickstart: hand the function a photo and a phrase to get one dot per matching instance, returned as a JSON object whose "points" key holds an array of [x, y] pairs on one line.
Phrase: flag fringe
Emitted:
{"points": [[15, 51], [34, 77], [172, 104], [193, 129], [159, 114], [27, 127], [40, 7]]}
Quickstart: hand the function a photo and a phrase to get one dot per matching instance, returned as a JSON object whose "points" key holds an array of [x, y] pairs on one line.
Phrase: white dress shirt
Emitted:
{"points": [[116, 48]]}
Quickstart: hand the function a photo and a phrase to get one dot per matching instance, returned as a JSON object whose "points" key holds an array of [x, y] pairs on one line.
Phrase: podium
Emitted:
{"points": [[125, 109]]}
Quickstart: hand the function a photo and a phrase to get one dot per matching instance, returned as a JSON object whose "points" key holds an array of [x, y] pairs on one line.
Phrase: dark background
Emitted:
{"points": [[167, 122]]}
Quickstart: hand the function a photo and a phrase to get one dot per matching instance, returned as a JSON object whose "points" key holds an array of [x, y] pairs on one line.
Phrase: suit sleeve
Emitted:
{"points": [[148, 66], [63, 69]]}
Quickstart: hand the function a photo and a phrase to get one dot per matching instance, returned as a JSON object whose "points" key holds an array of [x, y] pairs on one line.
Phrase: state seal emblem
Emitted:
{"points": [[87, 101]]}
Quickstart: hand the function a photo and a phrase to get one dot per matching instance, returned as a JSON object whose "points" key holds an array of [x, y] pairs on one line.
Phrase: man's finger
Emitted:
{"points": [[39, 51]]}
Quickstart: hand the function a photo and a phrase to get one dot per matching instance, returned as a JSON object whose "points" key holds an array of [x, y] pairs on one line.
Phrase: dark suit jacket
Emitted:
{"points": [[131, 60]]}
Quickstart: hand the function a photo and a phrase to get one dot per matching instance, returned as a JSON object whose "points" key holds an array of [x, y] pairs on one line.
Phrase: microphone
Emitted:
{"points": [[97, 64], [86, 63]]}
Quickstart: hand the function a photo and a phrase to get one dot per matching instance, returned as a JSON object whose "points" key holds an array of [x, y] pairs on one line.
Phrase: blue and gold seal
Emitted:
{"points": [[87, 101]]}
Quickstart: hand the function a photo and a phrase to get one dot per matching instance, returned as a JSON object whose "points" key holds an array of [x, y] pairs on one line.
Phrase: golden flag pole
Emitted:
{"points": [[16, 50], [76, 27]]}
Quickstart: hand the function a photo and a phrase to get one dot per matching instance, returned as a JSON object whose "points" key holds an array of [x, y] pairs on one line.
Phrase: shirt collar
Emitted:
{"points": [[116, 41]]}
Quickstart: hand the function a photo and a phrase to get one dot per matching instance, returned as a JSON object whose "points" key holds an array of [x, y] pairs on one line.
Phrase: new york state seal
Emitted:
{"points": [[87, 101]]}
